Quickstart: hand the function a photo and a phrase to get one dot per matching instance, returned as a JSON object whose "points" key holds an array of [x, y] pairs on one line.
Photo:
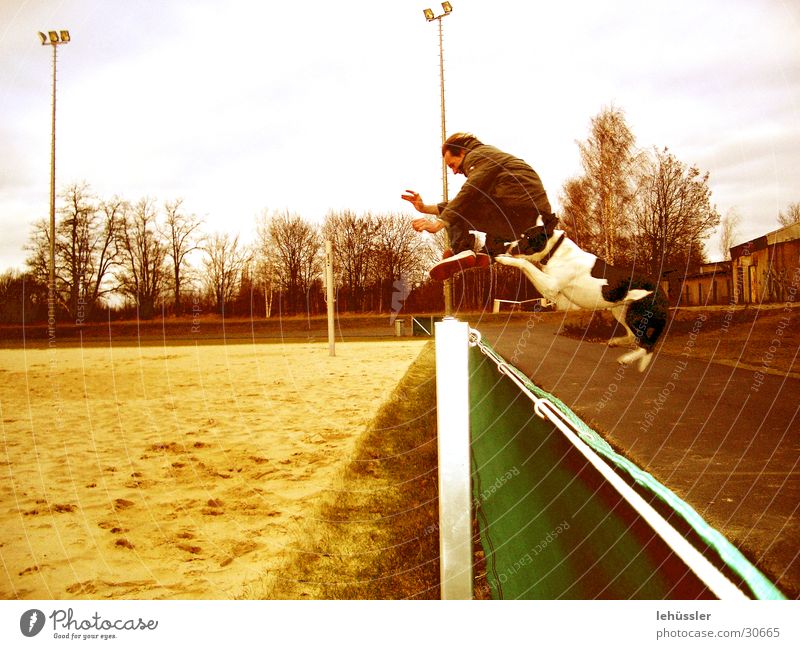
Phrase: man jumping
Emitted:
{"points": [[501, 198]]}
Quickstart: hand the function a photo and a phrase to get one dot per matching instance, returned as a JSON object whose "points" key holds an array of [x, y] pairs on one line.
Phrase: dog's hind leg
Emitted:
{"points": [[649, 333], [620, 312], [630, 318], [639, 354], [647, 319]]}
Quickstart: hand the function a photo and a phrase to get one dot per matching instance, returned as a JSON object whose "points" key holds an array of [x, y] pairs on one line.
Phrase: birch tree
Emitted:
{"points": [[599, 202]]}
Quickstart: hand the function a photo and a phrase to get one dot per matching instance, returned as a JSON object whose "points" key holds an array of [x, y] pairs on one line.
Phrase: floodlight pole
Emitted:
{"points": [[53, 39], [430, 17], [441, 92]]}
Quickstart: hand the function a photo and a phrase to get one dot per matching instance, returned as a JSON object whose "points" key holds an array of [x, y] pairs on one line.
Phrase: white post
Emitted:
{"points": [[331, 297], [455, 501]]}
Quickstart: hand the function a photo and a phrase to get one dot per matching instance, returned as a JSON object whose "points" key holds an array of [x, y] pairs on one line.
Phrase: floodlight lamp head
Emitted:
{"points": [[53, 37], [447, 7], [43, 38], [64, 36], [429, 14]]}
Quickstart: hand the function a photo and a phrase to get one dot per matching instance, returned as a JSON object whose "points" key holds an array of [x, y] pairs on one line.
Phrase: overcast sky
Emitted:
{"points": [[239, 106]]}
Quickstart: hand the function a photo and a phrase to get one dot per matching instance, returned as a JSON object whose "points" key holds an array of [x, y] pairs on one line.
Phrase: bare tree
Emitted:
{"points": [[599, 203], [23, 297], [728, 232], [265, 275], [73, 246], [790, 215], [311, 268], [38, 249], [296, 247], [401, 258], [674, 213], [575, 216], [143, 255], [86, 249], [225, 262], [265, 279], [182, 235], [107, 249], [353, 242]]}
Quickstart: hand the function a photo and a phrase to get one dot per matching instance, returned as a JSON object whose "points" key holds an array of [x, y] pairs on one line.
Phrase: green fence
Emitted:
{"points": [[551, 524]]}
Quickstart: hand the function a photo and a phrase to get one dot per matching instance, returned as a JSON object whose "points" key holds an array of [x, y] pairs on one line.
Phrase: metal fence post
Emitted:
{"points": [[455, 501]]}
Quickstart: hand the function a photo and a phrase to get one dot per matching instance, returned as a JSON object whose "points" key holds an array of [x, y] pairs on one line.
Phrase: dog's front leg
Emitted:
{"points": [[545, 284]]}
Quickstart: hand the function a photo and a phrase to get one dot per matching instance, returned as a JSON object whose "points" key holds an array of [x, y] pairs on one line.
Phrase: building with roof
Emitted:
{"points": [[708, 284], [767, 268]]}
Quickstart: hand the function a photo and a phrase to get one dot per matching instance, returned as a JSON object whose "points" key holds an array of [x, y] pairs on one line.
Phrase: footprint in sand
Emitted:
{"points": [[214, 508], [112, 527], [92, 586], [191, 549], [240, 548], [29, 571], [139, 482], [172, 447]]}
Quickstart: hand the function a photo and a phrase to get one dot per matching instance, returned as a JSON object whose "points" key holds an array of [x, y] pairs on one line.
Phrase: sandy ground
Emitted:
{"points": [[173, 472]]}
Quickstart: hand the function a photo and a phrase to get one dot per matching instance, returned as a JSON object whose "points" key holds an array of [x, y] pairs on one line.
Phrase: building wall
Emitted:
{"points": [[765, 273], [706, 289], [765, 269]]}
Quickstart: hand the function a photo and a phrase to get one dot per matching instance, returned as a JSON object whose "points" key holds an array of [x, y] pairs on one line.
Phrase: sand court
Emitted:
{"points": [[173, 472]]}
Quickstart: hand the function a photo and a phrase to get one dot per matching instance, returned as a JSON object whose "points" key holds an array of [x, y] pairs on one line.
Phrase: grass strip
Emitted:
{"points": [[375, 533]]}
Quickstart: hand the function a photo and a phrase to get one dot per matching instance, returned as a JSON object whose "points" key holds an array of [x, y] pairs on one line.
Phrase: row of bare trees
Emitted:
{"points": [[111, 248], [372, 255], [146, 258]]}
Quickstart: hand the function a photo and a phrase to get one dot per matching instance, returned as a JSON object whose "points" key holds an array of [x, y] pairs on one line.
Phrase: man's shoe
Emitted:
{"points": [[449, 266]]}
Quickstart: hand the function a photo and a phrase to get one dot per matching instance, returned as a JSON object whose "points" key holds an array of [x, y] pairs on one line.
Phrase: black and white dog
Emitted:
{"points": [[571, 277]]}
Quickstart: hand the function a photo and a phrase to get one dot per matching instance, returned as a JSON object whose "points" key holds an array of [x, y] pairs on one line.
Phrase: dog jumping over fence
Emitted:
{"points": [[567, 275]]}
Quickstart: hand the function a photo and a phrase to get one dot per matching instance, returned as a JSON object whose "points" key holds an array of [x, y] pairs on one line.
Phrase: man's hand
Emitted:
{"points": [[415, 199], [426, 225]]}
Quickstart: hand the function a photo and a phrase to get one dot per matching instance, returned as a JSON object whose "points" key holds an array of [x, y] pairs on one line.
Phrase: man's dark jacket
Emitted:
{"points": [[501, 178]]}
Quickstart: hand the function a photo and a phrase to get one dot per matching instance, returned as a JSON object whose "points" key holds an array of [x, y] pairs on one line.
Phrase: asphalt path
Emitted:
{"points": [[725, 440]]}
